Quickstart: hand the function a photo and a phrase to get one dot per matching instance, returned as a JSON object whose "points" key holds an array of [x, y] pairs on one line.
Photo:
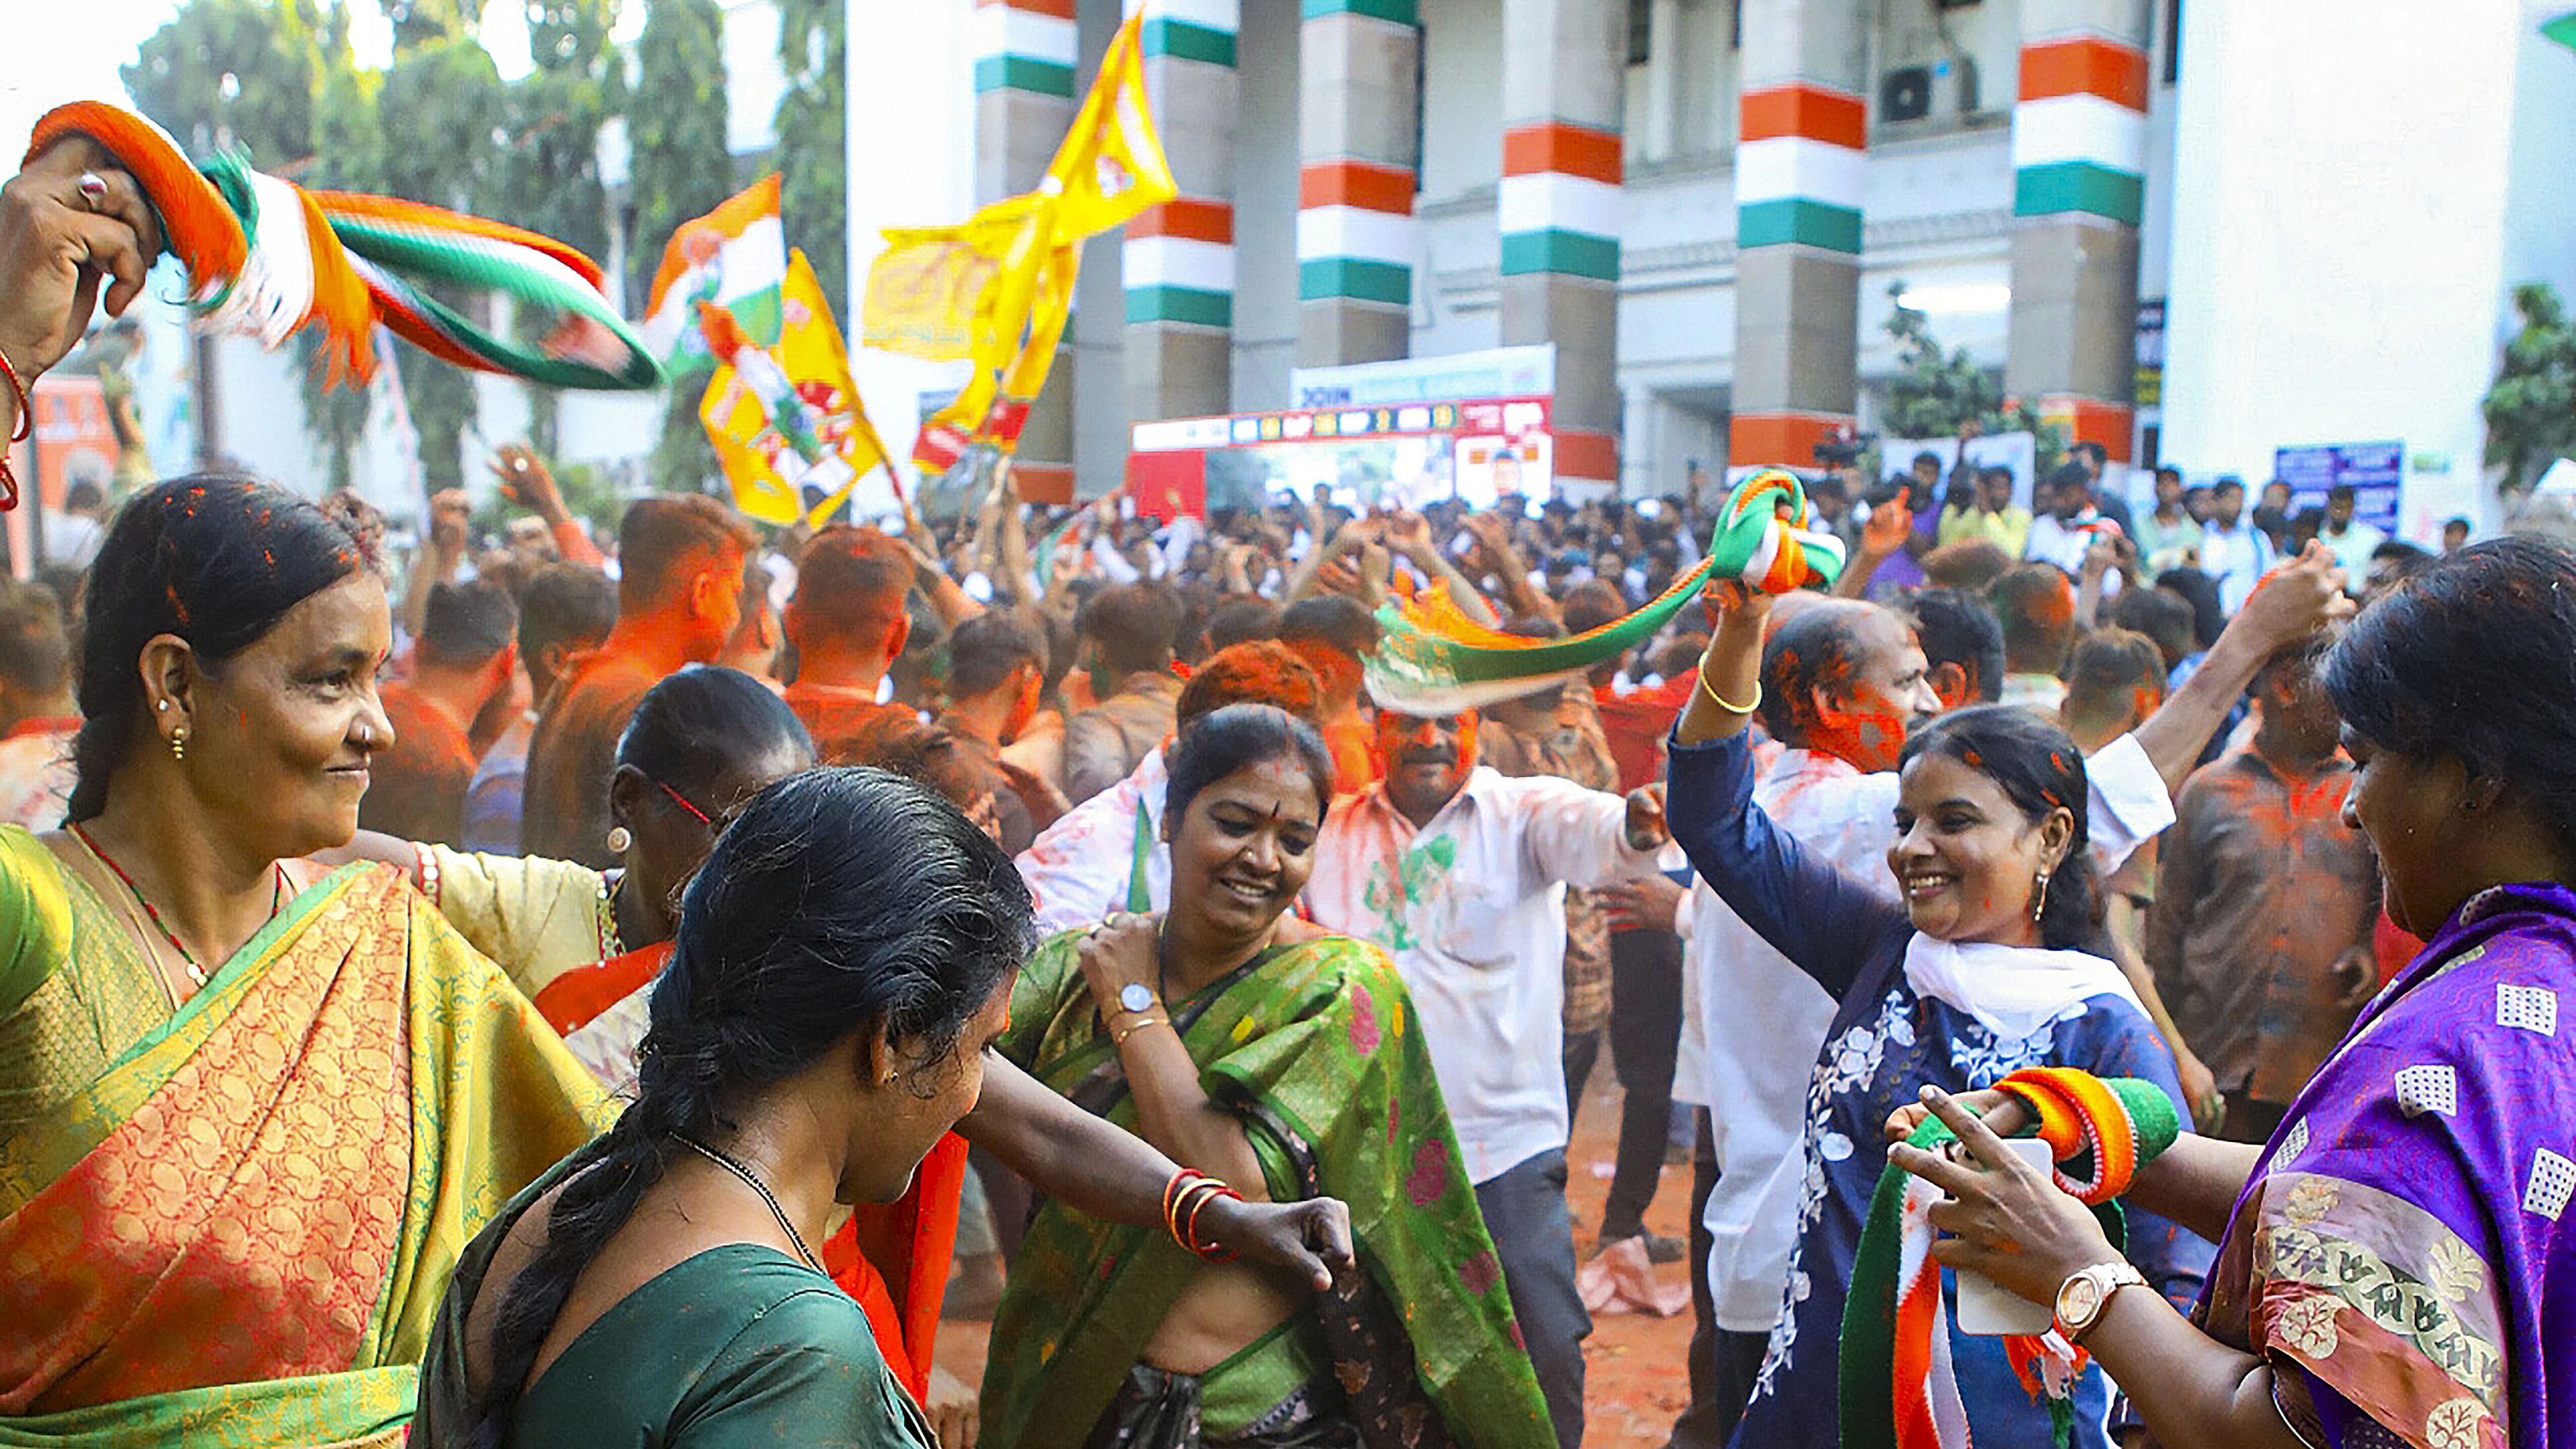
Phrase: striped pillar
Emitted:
{"points": [[1025, 57], [1357, 139], [1801, 177], [1558, 210], [2079, 140], [1179, 258]]}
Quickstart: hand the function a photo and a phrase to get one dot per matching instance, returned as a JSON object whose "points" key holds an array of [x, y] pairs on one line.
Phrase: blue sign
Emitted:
{"points": [[2376, 473]]}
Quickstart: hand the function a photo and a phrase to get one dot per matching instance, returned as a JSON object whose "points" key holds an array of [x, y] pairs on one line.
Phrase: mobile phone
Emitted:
{"points": [[1988, 1309]]}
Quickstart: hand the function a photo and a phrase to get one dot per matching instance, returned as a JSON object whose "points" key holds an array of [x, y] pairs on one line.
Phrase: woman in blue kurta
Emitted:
{"points": [[1974, 974]]}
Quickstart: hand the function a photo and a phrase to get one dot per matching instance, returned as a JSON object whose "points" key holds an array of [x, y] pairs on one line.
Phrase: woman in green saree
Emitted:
{"points": [[1249, 1046]]}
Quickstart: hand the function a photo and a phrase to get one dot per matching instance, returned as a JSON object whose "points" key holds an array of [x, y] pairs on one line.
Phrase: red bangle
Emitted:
{"points": [[1206, 1251]]}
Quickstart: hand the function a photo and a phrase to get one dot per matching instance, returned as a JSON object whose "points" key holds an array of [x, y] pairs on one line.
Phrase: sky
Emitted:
{"points": [[61, 53]]}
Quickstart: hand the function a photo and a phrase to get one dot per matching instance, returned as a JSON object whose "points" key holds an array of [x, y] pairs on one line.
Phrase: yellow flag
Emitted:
{"points": [[1111, 165], [786, 421], [926, 288], [1017, 259]]}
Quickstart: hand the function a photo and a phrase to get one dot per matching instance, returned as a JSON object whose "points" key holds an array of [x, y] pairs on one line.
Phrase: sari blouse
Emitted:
{"points": [[2402, 1243]]}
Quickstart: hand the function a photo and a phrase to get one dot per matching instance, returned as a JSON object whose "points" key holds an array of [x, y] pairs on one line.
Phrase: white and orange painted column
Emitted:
{"points": [[1358, 142], [1178, 259], [1026, 52], [1559, 212], [1801, 182], [2079, 143]]}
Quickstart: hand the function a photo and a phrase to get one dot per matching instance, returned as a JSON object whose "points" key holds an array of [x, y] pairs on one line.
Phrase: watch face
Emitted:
{"points": [[1136, 996], [2078, 1301]]}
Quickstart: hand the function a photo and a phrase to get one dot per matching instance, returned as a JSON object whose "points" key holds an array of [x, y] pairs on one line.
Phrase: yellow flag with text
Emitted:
{"points": [[786, 421], [1017, 259]]}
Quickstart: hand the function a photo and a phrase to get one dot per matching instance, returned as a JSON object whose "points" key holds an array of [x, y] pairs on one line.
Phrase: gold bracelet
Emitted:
{"points": [[1119, 1038], [1726, 704]]}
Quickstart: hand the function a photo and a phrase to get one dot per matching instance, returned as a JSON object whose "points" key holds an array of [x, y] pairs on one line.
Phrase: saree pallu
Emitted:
{"points": [[239, 1231], [1314, 1047], [892, 1257], [2403, 1252]]}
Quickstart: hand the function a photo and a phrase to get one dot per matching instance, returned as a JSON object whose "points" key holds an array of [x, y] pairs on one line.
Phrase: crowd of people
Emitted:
{"points": [[562, 989]]}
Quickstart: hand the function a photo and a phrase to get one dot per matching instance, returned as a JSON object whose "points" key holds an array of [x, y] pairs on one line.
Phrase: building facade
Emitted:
{"points": [[1709, 207]]}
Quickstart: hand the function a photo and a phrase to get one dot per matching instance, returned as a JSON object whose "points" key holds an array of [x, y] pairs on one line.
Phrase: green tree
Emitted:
{"points": [[680, 169], [444, 100], [813, 53], [1937, 390], [233, 74], [2531, 408], [550, 179]]}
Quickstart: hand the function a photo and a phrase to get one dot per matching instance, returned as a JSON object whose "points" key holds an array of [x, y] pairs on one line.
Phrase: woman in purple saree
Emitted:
{"points": [[2398, 1265]]}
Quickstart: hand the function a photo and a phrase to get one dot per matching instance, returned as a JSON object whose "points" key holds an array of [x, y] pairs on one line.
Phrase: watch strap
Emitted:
{"points": [[2107, 1279]]}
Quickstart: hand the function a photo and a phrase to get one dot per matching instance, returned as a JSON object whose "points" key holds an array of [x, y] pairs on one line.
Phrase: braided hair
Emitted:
{"points": [[787, 945], [216, 559]]}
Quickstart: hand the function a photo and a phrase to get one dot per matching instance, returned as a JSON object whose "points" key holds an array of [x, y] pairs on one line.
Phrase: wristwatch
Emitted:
{"points": [[2083, 1296], [1136, 996]]}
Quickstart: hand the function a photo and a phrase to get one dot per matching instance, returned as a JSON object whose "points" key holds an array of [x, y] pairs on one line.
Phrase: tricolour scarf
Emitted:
{"points": [[1898, 1387], [266, 257]]}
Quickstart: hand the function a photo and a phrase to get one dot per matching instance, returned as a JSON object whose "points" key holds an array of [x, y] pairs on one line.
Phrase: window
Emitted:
{"points": [[1641, 31]]}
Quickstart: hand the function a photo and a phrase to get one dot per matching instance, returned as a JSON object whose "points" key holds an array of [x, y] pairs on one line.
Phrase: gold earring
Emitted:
{"points": [[179, 743], [619, 839], [2039, 901]]}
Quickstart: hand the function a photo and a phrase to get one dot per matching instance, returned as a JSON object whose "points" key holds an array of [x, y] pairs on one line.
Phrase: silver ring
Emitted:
{"points": [[92, 188]]}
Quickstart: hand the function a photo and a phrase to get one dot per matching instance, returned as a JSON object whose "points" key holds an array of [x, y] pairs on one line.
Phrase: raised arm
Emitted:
{"points": [[1882, 536], [2291, 603], [525, 479], [1812, 913], [1410, 535]]}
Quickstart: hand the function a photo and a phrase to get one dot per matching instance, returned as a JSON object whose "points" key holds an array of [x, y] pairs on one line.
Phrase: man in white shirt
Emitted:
{"points": [[2351, 539], [1460, 874], [1761, 1021], [2067, 523], [2232, 550]]}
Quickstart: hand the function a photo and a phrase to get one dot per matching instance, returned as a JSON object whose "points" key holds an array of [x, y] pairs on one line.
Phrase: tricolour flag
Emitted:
{"points": [[786, 420], [734, 257]]}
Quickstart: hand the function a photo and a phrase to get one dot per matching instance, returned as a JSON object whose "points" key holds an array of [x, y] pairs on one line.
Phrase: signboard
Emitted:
{"points": [[1474, 449], [2376, 472], [1496, 372], [2150, 381], [74, 442]]}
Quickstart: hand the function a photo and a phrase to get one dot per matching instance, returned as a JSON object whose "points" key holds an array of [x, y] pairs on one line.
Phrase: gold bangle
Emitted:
{"points": [[1119, 1038], [1726, 704]]}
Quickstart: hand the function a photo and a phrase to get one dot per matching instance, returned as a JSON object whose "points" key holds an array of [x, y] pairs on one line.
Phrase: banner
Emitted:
{"points": [[787, 423]]}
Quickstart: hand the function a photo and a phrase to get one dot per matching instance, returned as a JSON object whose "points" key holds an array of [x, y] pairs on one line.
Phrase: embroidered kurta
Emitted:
{"points": [[1885, 1043]]}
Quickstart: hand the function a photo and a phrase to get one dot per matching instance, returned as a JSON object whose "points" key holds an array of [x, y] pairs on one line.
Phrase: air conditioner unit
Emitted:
{"points": [[1905, 94], [1920, 92]]}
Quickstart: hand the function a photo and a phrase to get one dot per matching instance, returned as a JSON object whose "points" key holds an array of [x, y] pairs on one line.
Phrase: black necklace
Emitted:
{"points": [[756, 1185]]}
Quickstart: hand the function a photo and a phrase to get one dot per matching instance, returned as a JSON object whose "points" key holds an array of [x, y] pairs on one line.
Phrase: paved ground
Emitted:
{"points": [[1637, 1379]]}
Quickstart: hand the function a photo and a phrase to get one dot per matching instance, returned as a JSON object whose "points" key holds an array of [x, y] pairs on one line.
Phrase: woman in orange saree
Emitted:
{"points": [[250, 1112]]}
